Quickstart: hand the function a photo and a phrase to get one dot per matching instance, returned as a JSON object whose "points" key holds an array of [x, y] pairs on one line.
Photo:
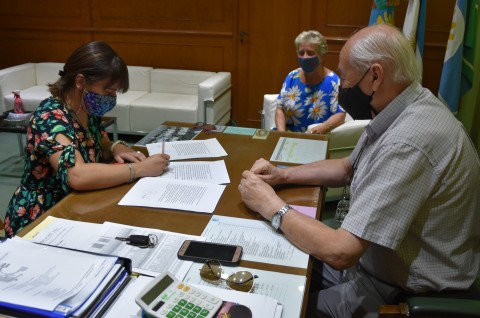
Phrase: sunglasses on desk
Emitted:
{"points": [[243, 281], [205, 127]]}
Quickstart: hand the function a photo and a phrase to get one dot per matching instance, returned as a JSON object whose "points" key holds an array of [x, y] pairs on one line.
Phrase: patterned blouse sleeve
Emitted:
{"points": [[46, 126]]}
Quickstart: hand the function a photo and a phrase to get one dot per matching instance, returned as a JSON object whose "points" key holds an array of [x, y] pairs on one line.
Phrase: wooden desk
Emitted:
{"points": [[101, 205]]}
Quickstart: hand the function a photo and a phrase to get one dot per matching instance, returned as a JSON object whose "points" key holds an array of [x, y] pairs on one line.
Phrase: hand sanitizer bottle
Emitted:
{"points": [[18, 104]]}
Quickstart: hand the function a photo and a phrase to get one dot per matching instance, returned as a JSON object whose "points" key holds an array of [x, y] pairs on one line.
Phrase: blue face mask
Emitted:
{"points": [[97, 104], [309, 64]]}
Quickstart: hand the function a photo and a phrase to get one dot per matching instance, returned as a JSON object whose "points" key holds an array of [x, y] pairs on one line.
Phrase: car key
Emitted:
{"points": [[142, 241]]}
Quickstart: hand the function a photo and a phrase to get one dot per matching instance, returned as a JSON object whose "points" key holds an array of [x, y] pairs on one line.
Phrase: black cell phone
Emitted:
{"points": [[199, 251]]}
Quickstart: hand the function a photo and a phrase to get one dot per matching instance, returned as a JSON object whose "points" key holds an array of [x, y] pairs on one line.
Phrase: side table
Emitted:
{"points": [[20, 127]]}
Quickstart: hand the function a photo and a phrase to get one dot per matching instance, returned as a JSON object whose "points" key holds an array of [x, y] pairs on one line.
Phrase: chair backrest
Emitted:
{"points": [[268, 112]]}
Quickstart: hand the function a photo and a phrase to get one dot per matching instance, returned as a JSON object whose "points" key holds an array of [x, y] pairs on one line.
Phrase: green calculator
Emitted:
{"points": [[166, 296]]}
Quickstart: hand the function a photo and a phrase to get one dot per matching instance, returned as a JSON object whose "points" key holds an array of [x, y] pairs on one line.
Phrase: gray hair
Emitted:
{"points": [[315, 38], [385, 43]]}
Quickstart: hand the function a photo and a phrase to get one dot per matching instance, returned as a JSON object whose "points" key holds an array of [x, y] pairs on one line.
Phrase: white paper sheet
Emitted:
{"points": [[287, 289], [298, 150], [43, 277], [192, 196], [101, 239], [204, 171], [125, 305], [189, 149], [260, 242]]}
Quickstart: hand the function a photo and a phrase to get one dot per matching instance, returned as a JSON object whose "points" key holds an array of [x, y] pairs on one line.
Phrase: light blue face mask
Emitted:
{"points": [[309, 64], [97, 104]]}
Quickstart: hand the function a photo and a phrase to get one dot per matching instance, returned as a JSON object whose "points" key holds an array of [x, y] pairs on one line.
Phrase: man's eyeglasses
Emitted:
{"points": [[205, 127], [241, 280]]}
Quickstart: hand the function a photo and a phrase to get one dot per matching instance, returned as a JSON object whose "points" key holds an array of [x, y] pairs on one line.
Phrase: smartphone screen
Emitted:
{"points": [[201, 251]]}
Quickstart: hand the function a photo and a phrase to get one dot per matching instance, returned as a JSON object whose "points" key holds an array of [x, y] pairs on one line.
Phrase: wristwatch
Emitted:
{"points": [[277, 217]]}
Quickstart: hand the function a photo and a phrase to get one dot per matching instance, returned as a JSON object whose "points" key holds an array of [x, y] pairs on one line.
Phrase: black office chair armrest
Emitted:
{"points": [[432, 306]]}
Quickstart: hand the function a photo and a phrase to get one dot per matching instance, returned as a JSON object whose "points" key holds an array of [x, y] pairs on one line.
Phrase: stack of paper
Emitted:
{"points": [[45, 281], [194, 186]]}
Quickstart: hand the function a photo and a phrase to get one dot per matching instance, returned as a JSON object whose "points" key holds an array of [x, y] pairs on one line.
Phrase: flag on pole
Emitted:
{"points": [[454, 84], [383, 11], [414, 28]]}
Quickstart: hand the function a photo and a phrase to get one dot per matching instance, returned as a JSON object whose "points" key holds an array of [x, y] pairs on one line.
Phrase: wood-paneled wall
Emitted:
{"points": [[252, 39]]}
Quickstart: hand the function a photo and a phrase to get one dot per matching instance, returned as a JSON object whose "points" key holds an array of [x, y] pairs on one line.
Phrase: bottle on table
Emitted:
{"points": [[18, 107]]}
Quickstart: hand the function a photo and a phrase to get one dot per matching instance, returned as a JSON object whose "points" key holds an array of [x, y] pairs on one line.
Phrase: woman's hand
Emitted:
{"points": [[152, 166], [122, 153], [322, 128]]}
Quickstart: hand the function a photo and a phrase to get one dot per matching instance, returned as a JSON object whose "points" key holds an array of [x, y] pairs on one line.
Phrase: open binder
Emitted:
{"points": [[46, 281]]}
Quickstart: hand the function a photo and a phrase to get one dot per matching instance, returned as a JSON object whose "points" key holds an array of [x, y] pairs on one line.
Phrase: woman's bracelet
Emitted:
{"points": [[132, 172], [121, 142]]}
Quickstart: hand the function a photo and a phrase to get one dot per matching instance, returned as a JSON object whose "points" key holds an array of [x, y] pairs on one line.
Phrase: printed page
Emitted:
{"points": [[101, 239], [297, 150], [287, 289], [43, 277], [125, 305], [260, 242], [204, 171], [189, 149], [157, 192]]}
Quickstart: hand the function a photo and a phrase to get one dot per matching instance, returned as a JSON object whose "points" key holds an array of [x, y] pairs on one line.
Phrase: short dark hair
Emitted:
{"points": [[95, 61]]}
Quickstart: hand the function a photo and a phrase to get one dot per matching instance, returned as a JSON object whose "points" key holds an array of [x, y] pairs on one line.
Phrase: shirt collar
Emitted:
{"points": [[387, 116]]}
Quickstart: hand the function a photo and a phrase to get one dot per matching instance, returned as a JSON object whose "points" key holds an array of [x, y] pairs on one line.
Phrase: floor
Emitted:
{"points": [[11, 169]]}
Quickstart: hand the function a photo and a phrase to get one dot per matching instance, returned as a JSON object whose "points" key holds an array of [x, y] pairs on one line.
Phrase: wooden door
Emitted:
{"points": [[266, 53]]}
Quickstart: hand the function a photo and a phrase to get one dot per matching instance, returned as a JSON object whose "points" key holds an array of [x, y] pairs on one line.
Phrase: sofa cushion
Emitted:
{"points": [[47, 73], [177, 81], [151, 110], [122, 109], [139, 78]]}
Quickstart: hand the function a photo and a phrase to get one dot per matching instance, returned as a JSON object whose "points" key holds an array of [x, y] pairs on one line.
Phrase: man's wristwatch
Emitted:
{"points": [[277, 217]]}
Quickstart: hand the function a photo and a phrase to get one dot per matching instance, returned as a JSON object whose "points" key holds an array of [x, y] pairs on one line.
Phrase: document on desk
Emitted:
{"points": [[48, 278], [287, 289], [189, 149], [204, 171], [298, 150], [155, 192], [260, 242], [101, 239]]}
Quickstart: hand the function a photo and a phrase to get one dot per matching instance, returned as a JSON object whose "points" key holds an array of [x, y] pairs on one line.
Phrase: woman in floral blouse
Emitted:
{"points": [[309, 93], [66, 143]]}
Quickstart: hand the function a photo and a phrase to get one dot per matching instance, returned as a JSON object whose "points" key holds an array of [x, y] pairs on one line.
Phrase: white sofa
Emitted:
{"points": [[342, 139], [155, 95]]}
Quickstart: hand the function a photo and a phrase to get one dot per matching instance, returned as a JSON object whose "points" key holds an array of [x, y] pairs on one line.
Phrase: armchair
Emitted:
{"points": [[437, 305], [431, 305]]}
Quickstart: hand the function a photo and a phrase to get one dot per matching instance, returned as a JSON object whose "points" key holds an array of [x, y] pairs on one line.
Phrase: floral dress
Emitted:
{"points": [[41, 188], [305, 105]]}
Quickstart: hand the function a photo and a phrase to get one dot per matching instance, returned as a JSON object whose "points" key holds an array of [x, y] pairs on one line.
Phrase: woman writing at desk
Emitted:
{"points": [[66, 142]]}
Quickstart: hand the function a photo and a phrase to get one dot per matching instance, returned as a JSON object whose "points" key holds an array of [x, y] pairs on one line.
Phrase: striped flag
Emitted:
{"points": [[453, 83], [414, 28], [383, 11]]}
